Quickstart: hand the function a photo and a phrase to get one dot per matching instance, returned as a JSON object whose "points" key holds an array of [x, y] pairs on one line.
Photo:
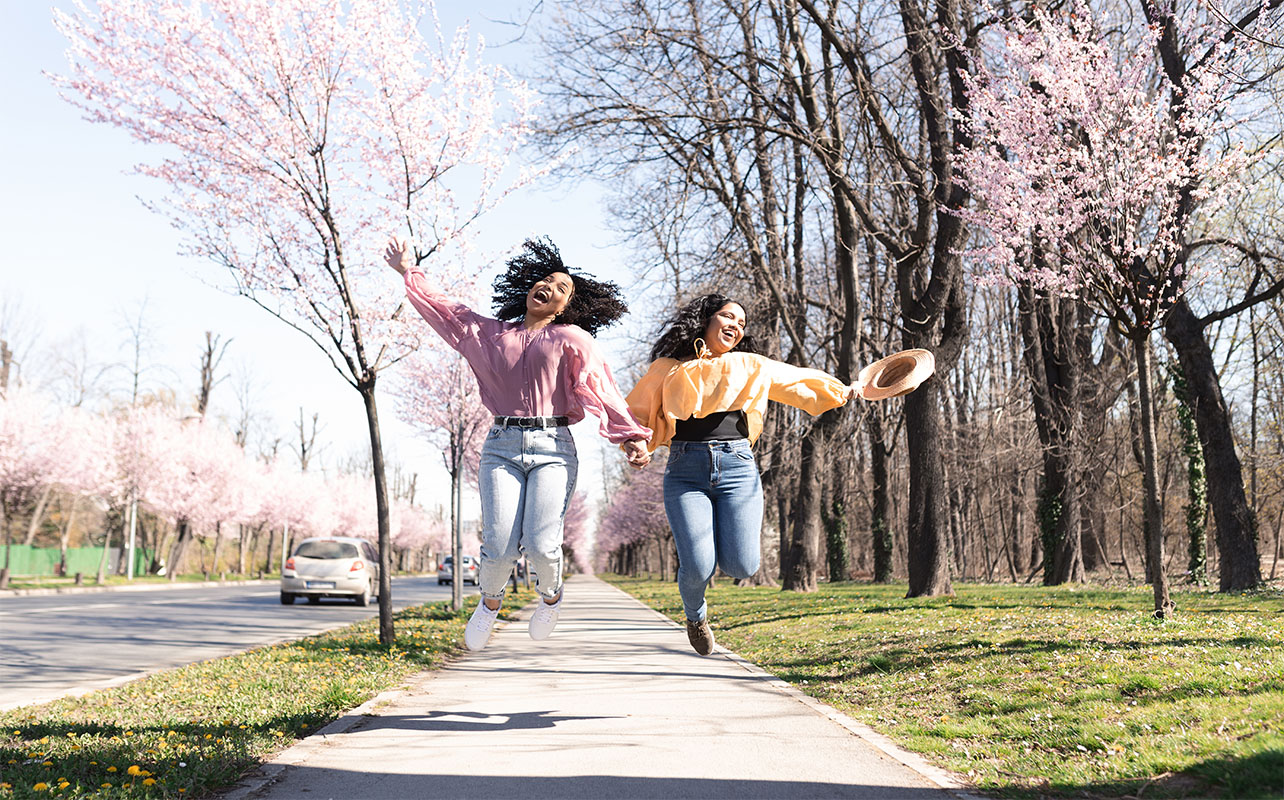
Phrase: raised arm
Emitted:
{"points": [[452, 320]]}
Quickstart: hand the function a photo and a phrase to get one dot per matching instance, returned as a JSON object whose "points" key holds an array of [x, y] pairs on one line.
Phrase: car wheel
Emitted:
{"points": [[363, 599], [287, 599], [314, 600], [440, 582]]}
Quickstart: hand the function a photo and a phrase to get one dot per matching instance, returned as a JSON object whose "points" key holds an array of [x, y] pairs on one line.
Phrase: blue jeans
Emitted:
{"points": [[713, 498], [525, 479]]}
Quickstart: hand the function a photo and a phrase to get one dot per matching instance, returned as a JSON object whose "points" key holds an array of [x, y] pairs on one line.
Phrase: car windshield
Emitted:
{"points": [[327, 550]]}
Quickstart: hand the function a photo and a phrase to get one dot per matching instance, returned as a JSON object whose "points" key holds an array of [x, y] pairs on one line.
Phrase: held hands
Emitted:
{"points": [[399, 254], [635, 451]]}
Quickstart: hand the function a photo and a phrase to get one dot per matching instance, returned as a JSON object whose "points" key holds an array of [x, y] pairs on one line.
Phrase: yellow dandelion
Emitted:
{"points": [[46, 763], [63, 785], [149, 782], [40, 787], [111, 769], [104, 785], [133, 770]]}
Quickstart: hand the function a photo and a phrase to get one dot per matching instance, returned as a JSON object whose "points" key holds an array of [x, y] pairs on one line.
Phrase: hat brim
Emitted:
{"points": [[897, 374]]}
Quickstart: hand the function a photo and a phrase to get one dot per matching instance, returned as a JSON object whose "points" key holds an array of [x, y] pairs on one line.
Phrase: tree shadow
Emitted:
{"points": [[1260, 775]]}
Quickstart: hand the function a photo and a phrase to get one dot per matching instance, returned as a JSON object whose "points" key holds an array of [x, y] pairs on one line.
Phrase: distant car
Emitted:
{"points": [[446, 572], [331, 566]]}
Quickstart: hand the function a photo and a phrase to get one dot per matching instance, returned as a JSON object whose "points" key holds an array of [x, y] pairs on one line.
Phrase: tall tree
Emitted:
{"points": [[914, 218], [297, 136], [1091, 193]]}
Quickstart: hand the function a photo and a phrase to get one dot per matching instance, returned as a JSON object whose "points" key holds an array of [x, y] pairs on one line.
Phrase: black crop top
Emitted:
{"points": [[719, 426]]}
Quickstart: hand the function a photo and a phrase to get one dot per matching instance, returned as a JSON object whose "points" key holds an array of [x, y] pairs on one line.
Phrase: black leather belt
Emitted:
{"points": [[532, 422]]}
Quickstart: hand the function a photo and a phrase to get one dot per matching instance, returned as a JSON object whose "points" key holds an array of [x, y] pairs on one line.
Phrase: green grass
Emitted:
{"points": [[187, 732], [1033, 692]]}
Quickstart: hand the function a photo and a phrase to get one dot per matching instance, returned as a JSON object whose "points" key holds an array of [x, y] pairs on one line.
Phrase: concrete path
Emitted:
{"points": [[613, 705]]}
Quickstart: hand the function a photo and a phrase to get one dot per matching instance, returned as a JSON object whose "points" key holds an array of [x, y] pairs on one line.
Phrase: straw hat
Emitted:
{"points": [[897, 374]]}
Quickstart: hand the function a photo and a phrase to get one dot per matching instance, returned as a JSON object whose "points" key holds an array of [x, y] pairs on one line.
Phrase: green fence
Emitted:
{"points": [[27, 560]]}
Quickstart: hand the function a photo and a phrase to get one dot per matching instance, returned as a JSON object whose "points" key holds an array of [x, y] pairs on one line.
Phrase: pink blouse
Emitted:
{"points": [[552, 371]]}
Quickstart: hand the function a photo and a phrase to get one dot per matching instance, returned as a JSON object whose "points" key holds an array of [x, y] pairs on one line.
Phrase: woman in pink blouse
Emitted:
{"points": [[539, 371]]}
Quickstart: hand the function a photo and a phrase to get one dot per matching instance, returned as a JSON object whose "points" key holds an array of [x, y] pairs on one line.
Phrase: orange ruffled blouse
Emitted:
{"points": [[672, 390]]}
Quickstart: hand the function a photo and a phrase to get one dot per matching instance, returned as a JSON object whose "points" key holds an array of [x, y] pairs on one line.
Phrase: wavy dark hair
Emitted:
{"points": [[690, 323], [594, 304]]}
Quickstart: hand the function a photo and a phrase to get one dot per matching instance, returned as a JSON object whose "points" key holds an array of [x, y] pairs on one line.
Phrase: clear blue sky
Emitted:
{"points": [[82, 254]]}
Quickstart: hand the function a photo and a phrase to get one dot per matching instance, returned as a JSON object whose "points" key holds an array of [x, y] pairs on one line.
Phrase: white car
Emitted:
{"points": [[331, 566], [470, 572]]}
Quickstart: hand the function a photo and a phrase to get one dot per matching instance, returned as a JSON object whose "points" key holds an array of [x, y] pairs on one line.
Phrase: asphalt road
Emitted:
{"points": [[55, 645]]}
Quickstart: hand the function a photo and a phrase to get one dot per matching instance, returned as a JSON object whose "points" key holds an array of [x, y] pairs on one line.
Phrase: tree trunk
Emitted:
{"points": [[1150, 478], [1092, 520], [881, 513], [836, 541], [1235, 523], [63, 540], [1049, 334], [218, 547], [801, 561], [38, 515], [182, 536], [102, 559], [928, 557], [387, 635], [267, 559], [8, 538]]}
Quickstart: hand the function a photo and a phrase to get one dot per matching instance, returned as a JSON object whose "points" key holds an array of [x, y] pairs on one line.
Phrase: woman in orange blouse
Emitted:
{"points": [[704, 396]]}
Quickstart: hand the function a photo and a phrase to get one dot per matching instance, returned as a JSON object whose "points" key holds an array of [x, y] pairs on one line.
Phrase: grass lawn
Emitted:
{"points": [[190, 731], [1033, 692]]}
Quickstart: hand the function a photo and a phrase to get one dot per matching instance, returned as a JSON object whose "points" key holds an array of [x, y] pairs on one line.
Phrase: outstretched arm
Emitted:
{"points": [[452, 320]]}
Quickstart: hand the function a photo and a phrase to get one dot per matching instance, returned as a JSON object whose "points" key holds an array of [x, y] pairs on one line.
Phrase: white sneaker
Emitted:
{"points": [[545, 618], [482, 622]]}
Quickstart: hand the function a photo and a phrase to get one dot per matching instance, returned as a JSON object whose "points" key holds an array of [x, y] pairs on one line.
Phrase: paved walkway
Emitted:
{"points": [[613, 705]]}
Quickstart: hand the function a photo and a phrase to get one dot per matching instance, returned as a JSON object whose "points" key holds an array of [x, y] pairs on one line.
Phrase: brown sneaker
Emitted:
{"points": [[700, 636]]}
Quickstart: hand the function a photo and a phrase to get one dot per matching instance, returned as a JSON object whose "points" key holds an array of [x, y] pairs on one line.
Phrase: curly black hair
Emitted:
{"points": [[690, 323], [594, 304]]}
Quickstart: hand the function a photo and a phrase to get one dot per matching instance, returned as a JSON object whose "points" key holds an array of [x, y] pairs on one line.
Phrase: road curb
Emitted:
{"points": [[941, 778]]}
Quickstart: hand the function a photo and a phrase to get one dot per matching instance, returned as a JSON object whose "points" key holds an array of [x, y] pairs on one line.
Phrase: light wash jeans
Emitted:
{"points": [[525, 480], [713, 498]]}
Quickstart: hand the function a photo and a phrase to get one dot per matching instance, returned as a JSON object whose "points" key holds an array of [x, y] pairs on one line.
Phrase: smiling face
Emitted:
{"points": [[725, 329], [550, 296]]}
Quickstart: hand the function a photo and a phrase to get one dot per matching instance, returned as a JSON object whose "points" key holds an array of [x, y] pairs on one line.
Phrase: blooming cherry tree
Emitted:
{"points": [[437, 396], [29, 456], [295, 136], [1088, 161]]}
